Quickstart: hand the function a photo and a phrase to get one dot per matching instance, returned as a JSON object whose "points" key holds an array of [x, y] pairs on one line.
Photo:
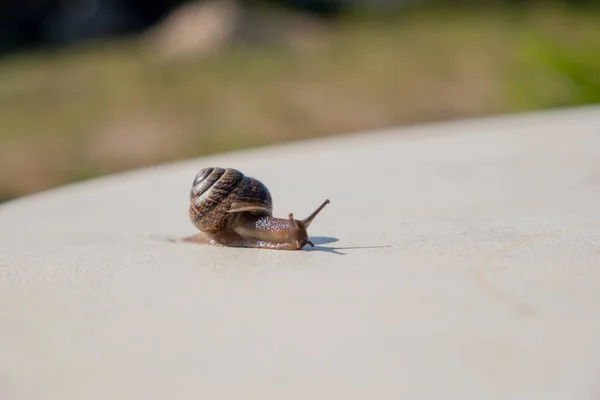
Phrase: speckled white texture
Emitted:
{"points": [[466, 266]]}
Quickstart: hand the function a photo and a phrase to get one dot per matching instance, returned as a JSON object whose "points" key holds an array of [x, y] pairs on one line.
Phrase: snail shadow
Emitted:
{"points": [[318, 241]]}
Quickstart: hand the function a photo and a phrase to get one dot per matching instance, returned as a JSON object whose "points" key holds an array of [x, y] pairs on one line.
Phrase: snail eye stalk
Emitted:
{"points": [[312, 216]]}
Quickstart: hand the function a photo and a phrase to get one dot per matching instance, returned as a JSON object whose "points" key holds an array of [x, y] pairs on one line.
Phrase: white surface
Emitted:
{"points": [[469, 269]]}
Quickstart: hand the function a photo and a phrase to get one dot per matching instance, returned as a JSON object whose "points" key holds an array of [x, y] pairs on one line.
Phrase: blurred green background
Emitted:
{"points": [[206, 77]]}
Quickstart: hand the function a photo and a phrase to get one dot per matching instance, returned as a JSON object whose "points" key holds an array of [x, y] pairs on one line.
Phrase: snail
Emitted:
{"points": [[231, 209]]}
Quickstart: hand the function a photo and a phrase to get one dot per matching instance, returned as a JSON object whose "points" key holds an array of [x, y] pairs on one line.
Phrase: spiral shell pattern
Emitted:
{"points": [[217, 193]]}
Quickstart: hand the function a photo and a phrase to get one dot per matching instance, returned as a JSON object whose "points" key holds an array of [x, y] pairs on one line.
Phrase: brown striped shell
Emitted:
{"points": [[217, 193]]}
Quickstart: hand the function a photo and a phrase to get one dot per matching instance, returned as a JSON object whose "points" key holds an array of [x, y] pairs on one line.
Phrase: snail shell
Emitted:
{"points": [[218, 192]]}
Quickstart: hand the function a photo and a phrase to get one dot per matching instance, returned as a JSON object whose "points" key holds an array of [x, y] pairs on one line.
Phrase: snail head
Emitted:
{"points": [[298, 228]]}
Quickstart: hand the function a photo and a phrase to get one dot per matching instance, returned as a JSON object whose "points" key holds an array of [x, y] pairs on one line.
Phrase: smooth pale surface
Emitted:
{"points": [[455, 261]]}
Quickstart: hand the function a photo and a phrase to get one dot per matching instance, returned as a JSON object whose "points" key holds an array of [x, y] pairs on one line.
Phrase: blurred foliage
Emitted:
{"points": [[559, 67], [103, 107]]}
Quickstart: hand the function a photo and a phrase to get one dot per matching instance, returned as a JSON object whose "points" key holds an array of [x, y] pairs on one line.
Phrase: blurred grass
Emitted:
{"points": [[110, 106]]}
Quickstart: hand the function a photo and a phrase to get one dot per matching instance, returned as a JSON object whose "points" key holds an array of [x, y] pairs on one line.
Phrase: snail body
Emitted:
{"points": [[234, 210]]}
